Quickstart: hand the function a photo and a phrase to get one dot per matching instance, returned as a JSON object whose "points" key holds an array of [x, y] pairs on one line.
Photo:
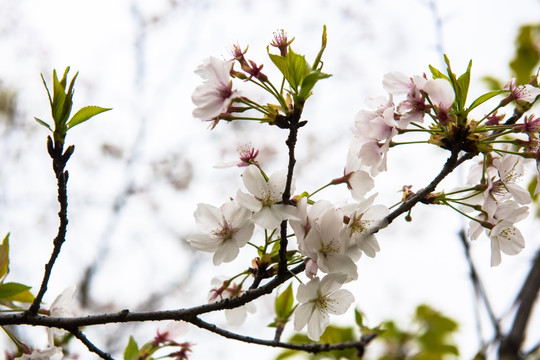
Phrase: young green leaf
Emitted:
{"points": [[298, 69], [43, 123], [284, 304], [358, 318], [8, 290], [23, 297], [4, 257], [315, 65], [84, 114], [132, 350], [59, 97], [309, 82], [485, 97], [463, 83], [437, 74]]}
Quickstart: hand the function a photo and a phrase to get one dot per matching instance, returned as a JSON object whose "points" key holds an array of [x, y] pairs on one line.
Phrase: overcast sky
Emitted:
{"points": [[139, 171]]}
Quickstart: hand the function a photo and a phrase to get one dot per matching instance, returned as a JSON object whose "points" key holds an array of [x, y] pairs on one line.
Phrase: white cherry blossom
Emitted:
{"points": [[61, 307], [511, 170], [225, 230], [318, 299], [215, 94], [363, 218], [50, 353], [327, 244], [265, 197]]}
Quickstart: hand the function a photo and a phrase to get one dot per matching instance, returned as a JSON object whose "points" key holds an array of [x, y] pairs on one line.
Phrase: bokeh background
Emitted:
{"points": [[139, 171]]}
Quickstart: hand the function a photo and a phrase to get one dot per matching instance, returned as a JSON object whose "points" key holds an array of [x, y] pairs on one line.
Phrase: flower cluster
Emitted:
{"points": [[493, 190], [330, 239]]}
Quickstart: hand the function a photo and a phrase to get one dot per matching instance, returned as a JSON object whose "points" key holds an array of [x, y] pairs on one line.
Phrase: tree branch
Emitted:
{"points": [[60, 158], [312, 348], [511, 343], [91, 347], [451, 164]]}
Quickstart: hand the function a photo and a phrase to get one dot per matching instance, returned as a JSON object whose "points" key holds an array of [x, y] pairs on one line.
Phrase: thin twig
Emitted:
{"points": [[478, 286], [60, 158], [91, 347], [311, 347], [451, 164]]}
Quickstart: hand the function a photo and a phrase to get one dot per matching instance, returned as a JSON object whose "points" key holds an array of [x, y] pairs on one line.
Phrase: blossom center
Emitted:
{"points": [[225, 232]]}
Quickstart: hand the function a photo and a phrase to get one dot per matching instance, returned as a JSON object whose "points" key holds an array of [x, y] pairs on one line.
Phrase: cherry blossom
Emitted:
{"points": [[226, 230], [414, 107], [378, 124], [511, 170], [305, 219], [500, 228], [247, 156], [61, 307], [505, 236], [358, 181], [265, 197], [363, 218], [327, 244], [215, 94], [319, 298], [50, 353], [521, 93], [442, 96]]}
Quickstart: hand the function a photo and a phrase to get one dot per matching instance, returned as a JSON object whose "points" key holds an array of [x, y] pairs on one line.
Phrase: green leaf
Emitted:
{"points": [[132, 350], [437, 74], [485, 97], [59, 97], [284, 304], [43, 123], [68, 103], [4, 257], [463, 83], [319, 55], [84, 114], [48, 92], [294, 68], [23, 297], [298, 69], [11, 289], [359, 318], [309, 82]]}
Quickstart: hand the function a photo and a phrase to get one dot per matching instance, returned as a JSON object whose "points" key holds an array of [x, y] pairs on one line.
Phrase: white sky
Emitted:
{"points": [[138, 57]]}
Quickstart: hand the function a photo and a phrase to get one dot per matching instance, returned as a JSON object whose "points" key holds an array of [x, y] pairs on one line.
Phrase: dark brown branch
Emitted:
{"points": [[511, 343], [127, 316], [91, 347], [293, 125], [312, 348], [60, 158], [451, 164]]}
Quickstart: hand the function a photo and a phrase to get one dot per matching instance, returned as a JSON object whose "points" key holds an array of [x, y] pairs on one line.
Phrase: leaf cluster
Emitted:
{"points": [[61, 103]]}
